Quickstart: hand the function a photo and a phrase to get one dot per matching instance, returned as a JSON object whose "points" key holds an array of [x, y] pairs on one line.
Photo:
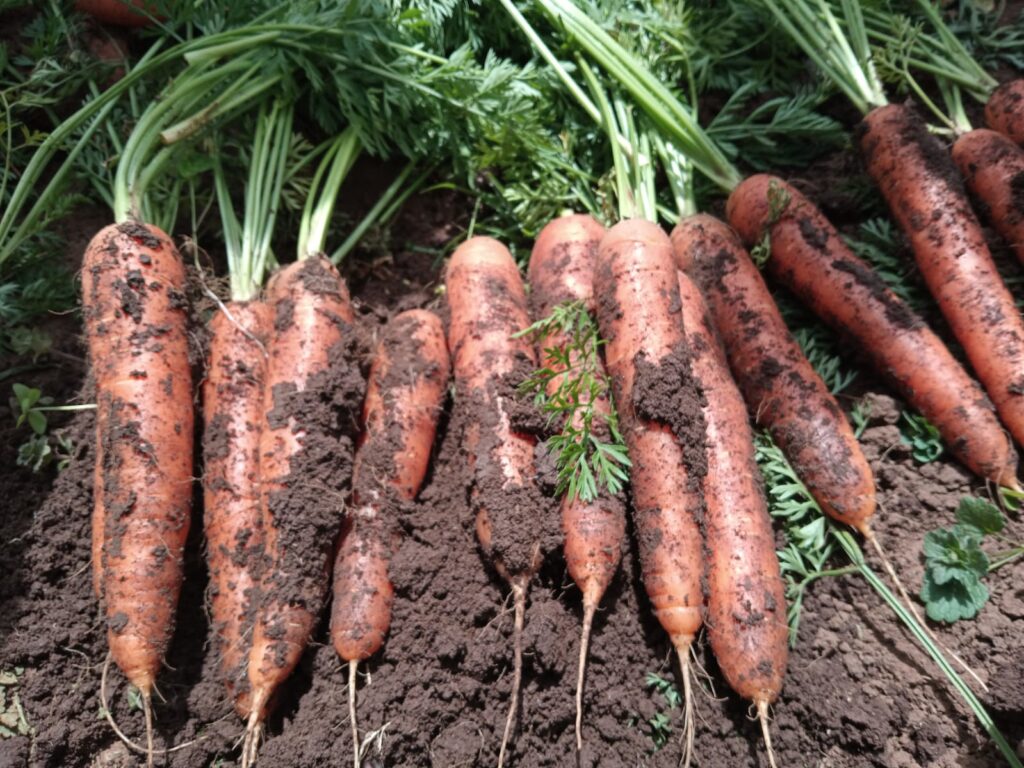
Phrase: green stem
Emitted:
{"points": [[386, 206], [853, 551], [667, 113], [814, 27], [323, 193], [1004, 558]]}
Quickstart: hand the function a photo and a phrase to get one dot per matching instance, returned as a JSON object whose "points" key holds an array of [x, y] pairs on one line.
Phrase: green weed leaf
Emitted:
{"points": [[980, 514]]}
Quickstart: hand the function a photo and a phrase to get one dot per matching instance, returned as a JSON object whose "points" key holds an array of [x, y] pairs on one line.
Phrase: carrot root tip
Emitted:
{"points": [[762, 716], [588, 621], [688, 713], [519, 594], [352, 665]]}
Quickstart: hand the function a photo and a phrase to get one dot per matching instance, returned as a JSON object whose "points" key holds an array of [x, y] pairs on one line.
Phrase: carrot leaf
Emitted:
{"points": [[590, 453]]}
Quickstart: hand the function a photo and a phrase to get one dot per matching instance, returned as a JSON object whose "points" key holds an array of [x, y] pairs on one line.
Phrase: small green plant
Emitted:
{"points": [[28, 405], [589, 450], [660, 723], [922, 436], [955, 563], [40, 449]]}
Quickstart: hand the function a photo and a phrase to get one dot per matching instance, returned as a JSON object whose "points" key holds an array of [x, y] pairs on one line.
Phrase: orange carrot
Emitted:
{"points": [[232, 514], [133, 298], [122, 13], [927, 198], [782, 390], [404, 397], [659, 413], [301, 469], [1004, 111], [993, 167], [488, 306], [746, 601], [562, 270], [809, 258]]}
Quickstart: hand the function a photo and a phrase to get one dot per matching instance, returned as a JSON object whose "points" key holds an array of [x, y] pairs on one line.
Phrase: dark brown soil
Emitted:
{"points": [[858, 692]]}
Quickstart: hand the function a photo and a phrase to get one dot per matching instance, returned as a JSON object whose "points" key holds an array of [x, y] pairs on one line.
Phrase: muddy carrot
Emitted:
{"points": [[488, 307], [302, 468], [133, 284], [1004, 110], [927, 198], [562, 270], [782, 390], [232, 517], [660, 415], [746, 602], [809, 258], [404, 397], [993, 167]]}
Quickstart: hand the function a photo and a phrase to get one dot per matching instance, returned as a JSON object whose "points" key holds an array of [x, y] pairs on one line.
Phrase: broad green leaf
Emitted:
{"points": [[980, 514], [953, 600]]}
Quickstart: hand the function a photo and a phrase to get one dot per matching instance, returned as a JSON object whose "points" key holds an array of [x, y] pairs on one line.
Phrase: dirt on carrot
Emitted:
{"points": [[441, 683]]}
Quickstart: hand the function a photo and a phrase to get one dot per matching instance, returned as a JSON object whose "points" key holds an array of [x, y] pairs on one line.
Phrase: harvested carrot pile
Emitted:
{"points": [[536, 383]]}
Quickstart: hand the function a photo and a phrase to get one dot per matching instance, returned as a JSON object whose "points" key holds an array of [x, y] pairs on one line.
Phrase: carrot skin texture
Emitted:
{"points": [[133, 299], [1004, 111], [405, 394], [993, 168], [782, 390], [809, 258], [233, 520], [562, 269], [488, 305], [638, 313], [927, 198], [746, 617], [312, 314]]}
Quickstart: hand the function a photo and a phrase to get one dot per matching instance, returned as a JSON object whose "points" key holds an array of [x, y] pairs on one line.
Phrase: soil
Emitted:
{"points": [[858, 692]]}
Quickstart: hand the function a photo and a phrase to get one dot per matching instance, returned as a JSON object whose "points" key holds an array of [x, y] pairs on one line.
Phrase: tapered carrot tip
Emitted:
{"points": [[762, 715], [1004, 111], [749, 206]]}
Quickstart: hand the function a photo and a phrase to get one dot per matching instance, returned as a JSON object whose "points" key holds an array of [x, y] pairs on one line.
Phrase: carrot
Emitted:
{"points": [[133, 300], [232, 515], [660, 417], [783, 391], [927, 198], [993, 167], [301, 468], [122, 13], [562, 270], [1004, 110], [746, 601], [404, 397], [809, 258], [488, 306]]}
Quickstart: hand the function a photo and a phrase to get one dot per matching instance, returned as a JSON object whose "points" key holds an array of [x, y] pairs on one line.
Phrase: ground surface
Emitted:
{"points": [[858, 692]]}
